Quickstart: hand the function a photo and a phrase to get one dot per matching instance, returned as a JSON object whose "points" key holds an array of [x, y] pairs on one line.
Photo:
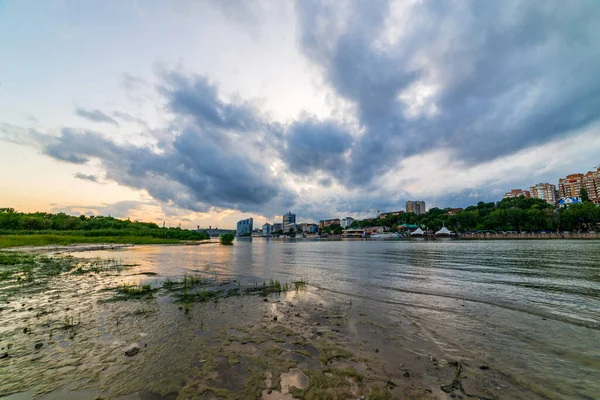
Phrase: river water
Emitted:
{"points": [[529, 308]]}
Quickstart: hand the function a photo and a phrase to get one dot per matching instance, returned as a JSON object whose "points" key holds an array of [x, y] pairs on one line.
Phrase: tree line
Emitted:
{"points": [[513, 214], [13, 222]]}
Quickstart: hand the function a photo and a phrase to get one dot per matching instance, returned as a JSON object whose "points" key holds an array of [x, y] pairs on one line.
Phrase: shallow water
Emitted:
{"points": [[530, 308]]}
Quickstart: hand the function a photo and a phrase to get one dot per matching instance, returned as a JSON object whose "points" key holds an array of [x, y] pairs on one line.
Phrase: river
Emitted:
{"points": [[529, 309]]}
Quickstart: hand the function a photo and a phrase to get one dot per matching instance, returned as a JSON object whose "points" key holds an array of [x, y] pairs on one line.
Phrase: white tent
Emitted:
{"points": [[443, 232], [417, 232]]}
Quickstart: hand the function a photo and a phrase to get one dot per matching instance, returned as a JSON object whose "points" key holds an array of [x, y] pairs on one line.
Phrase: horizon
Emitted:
{"points": [[207, 113]]}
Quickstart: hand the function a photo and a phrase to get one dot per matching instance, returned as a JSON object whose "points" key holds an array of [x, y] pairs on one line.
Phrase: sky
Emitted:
{"points": [[201, 113]]}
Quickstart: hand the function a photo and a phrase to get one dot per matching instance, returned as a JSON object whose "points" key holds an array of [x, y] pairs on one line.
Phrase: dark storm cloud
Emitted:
{"points": [[200, 164], [312, 145], [196, 97], [509, 75], [95, 116], [86, 177]]}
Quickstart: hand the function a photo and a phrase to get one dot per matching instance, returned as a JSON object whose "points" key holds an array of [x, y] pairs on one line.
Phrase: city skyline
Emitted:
{"points": [[252, 108]]}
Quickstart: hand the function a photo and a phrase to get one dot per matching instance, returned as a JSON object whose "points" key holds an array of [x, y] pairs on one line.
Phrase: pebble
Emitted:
{"points": [[132, 352], [484, 367], [39, 345], [406, 374], [4, 355]]}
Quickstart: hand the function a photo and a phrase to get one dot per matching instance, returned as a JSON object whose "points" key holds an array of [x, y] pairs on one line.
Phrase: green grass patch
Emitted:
{"points": [[64, 240], [14, 258]]}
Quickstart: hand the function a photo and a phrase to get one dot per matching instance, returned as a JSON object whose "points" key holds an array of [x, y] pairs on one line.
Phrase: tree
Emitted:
{"points": [[584, 195], [227, 238]]}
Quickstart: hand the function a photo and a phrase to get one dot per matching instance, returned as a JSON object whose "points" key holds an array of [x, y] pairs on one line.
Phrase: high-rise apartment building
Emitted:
{"points": [[417, 207], [517, 193], [288, 219], [267, 229], [277, 226], [544, 191], [244, 227], [591, 182], [570, 186]]}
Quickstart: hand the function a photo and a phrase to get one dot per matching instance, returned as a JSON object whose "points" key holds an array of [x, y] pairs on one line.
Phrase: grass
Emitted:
{"points": [[131, 290], [60, 240], [10, 258]]}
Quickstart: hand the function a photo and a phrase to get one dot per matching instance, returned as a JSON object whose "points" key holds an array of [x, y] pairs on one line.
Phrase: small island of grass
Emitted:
{"points": [[227, 238]]}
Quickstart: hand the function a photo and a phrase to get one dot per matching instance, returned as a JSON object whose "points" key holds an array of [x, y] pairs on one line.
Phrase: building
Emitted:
{"points": [[307, 227], [544, 191], [288, 219], [517, 193], [389, 214], [417, 207], [215, 232], [277, 227], [570, 186], [453, 211], [567, 201], [346, 222], [591, 183], [244, 227], [267, 229], [324, 223]]}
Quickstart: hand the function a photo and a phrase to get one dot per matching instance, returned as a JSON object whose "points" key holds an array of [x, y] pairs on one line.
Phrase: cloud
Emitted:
{"points": [[316, 146], [197, 98], [120, 209], [453, 102], [483, 80], [86, 177], [200, 162], [95, 116]]}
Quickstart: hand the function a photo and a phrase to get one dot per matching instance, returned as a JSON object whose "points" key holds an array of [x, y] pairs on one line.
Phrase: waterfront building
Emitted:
{"points": [[544, 191], [216, 232], [517, 193], [417, 207], [328, 222], [307, 227], [387, 214], [293, 227], [267, 229], [244, 227], [346, 222], [570, 186], [288, 219], [591, 183], [277, 227]]}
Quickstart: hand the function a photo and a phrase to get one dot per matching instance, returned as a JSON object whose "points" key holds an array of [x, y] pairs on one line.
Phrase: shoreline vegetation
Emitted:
{"points": [[513, 215], [43, 229]]}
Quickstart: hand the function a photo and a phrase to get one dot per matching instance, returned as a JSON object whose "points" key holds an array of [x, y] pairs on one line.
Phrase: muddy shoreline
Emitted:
{"points": [[80, 334]]}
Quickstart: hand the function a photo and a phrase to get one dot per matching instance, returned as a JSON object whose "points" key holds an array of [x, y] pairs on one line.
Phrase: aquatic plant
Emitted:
{"points": [[135, 290]]}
